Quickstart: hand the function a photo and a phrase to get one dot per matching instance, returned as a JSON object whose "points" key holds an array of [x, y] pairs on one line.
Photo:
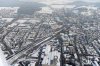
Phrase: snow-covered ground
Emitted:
{"points": [[7, 19], [3, 61], [21, 21], [88, 7], [45, 10]]}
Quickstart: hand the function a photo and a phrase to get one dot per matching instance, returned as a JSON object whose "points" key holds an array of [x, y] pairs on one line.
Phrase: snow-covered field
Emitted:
{"points": [[7, 19], [3, 61]]}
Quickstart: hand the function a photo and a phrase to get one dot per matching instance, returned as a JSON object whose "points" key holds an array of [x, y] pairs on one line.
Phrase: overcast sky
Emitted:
{"points": [[64, 0], [60, 1]]}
